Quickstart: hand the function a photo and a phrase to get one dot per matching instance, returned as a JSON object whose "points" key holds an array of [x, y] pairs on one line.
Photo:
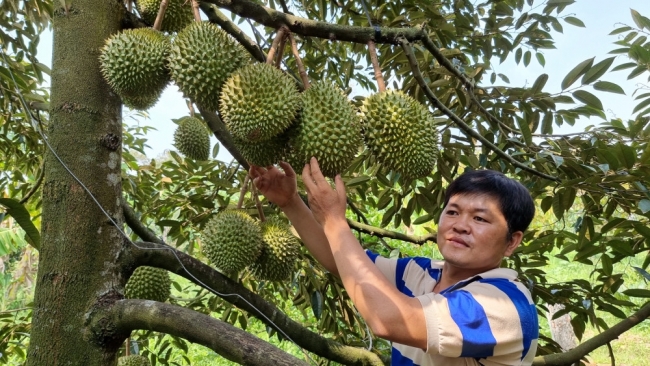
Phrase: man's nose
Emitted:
{"points": [[460, 225]]}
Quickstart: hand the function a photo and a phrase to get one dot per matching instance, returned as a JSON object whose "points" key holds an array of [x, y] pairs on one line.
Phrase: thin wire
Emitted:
{"points": [[110, 218]]}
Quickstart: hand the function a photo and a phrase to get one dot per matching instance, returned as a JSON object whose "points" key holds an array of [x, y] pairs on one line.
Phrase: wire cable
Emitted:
{"points": [[36, 127]]}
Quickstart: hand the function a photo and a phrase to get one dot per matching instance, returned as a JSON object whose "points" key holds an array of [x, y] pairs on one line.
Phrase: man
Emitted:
{"points": [[464, 310]]}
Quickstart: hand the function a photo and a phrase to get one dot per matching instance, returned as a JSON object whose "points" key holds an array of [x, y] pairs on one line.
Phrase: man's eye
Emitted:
{"points": [[479, 218], [451, 212]]}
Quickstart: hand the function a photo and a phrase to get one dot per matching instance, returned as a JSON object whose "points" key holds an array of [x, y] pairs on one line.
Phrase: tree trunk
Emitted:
{"points": [[77, 267]]}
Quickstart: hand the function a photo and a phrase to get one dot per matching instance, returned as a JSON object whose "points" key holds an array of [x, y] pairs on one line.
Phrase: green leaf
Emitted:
{"points": [[597, 70], [357, 180], [527, 57], [22, 217], [608, 87], [588, 99], [641, 105], [637, 71], [558, 210], [620, 30], [637, 292], [577, 71], [538, 85], [624, 66], [640, 20], [525, 129], [574, 21], [423, 219], [608, 266], [317, 304], [540, 59]]}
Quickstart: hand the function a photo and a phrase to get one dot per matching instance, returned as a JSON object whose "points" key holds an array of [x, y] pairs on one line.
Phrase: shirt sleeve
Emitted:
{"points": [[483, 319]]}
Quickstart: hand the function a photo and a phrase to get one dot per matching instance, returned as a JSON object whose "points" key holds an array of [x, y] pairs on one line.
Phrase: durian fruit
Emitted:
{"points": [[192, 138], [262, 153], [148, 283], [133, 62], [133, 360], [400, 133], [202, 57], [232, 240], [258, 102], [328, 128], [279, 253], [178, 14]]}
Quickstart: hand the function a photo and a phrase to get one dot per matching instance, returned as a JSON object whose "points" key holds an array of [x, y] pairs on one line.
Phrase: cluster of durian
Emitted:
{"points": [[268, 117], [133, 360], [148, 283], [233, 241]]}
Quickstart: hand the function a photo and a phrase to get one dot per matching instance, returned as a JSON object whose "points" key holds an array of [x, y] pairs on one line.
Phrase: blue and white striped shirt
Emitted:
{"points": [[489, 319]]}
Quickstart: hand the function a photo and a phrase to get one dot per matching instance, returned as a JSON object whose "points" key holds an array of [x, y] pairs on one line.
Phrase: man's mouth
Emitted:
{"points": [[458, 242]]}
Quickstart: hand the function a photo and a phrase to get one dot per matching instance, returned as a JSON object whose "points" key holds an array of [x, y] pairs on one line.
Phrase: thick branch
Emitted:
{"points": [[166, 257], [574, 355], [221, 133], [457, 120], [375, 231], [216, 16], [137, 226], [307, 27], [230, 342]]}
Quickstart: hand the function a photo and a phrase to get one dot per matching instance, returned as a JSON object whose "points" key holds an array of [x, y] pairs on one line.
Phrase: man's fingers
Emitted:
{"points": [[316, 174], [340, 187], [288, 170], [307, 178]]}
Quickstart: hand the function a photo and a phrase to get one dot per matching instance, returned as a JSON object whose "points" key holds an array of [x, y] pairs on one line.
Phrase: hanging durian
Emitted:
{"points": [[192, 138], [148, 283], [279, 252], [178, 14]]}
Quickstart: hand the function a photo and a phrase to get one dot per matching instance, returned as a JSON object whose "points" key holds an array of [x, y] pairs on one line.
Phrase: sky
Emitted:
{"points": [[573, 46]]}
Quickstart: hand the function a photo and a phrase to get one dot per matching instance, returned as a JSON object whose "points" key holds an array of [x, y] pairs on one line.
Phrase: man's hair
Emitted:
{"points": [[514, 199]]}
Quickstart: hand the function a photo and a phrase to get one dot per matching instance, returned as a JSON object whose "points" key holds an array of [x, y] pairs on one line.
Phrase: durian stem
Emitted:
{"points": [[375, 65], [129, 5], [301, 66], [127, 351], [274, 46], [195, 9], [258, 204], [280, 53], [190, 106], [157, 25], [242, 193]]}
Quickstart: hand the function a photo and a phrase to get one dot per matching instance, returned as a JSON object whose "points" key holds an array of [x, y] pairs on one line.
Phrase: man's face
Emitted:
{"points": [[472, 233]]}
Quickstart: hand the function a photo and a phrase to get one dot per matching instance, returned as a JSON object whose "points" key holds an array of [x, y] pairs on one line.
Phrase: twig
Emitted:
{"points": [[459, 122], [127, 347], [381, 84], [611, 353], [379, 232], [37, 184], [258, 204], [195, 10], [129, 5], [217, 17], [157, 25], [285, 8], [270, 57], [600, 340], [299, 64], [190, 106], [280, 53], [137, 226], [360, 214], [242, 193]]}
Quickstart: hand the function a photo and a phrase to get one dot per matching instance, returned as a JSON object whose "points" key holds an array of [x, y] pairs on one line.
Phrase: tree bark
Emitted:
{"points": [[164, 256], [77, 258], [230, 342]]}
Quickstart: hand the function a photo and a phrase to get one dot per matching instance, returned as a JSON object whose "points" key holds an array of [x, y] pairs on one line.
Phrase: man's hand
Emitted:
{"points": [[276, 185], [327, 204]]}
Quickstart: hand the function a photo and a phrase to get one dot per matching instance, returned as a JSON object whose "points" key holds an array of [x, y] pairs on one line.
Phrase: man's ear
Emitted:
{"points": [[513, 243]]}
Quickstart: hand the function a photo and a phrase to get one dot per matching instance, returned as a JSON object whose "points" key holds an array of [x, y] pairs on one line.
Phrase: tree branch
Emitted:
{"points": [[131, 219], [230, 342], [164, 256], [459, 122], [574, 355], [37, 184], [221, 133], [379, 232], [216, 16], [307, 27]]}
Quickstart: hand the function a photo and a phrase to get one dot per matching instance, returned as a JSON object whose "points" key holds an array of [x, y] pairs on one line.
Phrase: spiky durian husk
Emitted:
{"points": [[133, 360], [263, 153], [148, 283], [400, 133], [279, 252], [232, 240], [202, 57], [328, 128], [133, 62], [259, 102], [192, 138], [178, 14]]}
